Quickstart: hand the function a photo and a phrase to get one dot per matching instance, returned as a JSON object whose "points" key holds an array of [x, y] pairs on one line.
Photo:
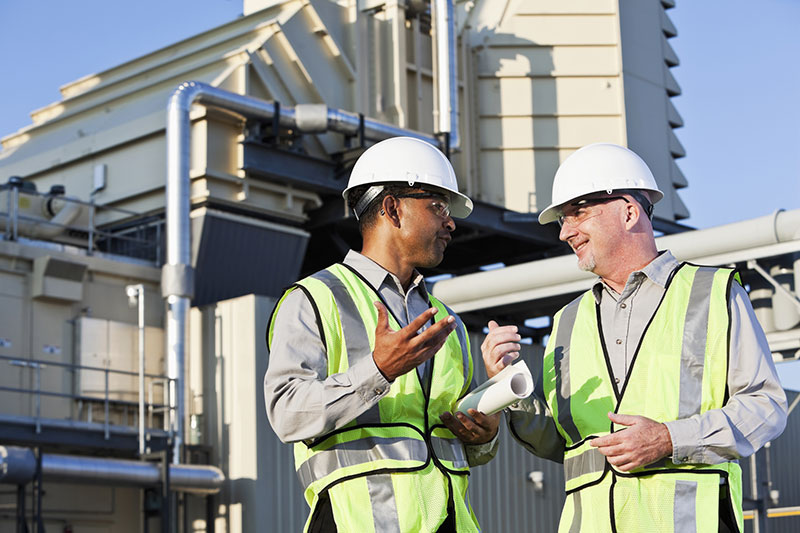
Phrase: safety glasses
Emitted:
{"points": [[438, 206], [583, 210]]}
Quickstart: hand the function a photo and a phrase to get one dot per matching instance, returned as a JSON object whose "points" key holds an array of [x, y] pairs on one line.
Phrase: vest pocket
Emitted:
{"points": [[667, 502]]}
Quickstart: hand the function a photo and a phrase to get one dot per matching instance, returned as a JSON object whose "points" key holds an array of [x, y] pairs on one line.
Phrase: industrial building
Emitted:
{"points": [[152, 216]]}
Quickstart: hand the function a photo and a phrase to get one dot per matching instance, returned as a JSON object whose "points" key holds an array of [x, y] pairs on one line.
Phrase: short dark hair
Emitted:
{"points": [[369, 216]]}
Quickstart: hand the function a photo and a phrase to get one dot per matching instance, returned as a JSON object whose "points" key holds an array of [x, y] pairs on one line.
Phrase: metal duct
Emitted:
{"points": [[560, 275], [177, 280], [18, 466]]}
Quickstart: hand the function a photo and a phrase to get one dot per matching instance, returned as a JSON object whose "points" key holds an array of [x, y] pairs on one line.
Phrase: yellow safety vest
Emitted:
{"points": [[396, 467], [679, 370]]}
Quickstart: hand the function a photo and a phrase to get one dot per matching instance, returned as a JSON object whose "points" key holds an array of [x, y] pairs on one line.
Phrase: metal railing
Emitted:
{"points": [[146, 410], [89, 225]]}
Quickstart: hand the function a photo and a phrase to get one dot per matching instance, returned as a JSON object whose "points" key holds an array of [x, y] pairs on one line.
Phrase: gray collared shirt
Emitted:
{"points": [[302, 401], [755, 412]]}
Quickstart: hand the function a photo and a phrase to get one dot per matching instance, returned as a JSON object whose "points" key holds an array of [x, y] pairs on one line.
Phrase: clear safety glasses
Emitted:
{"points": [[582, 210], [438, 206]]}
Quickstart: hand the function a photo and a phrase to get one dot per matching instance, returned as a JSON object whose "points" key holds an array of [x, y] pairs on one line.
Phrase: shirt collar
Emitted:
{"points": [[657, 271], [376, 275]]}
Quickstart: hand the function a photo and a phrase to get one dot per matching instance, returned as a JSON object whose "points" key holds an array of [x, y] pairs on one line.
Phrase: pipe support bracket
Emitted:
{"points": [[177, 280]]}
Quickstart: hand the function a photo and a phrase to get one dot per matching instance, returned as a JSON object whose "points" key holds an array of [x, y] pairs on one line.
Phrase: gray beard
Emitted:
{"points": [[588, 264]]}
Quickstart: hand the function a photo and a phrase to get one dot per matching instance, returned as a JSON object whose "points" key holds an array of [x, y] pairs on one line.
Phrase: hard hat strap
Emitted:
{"points": [[367, 199], [643, 201]]}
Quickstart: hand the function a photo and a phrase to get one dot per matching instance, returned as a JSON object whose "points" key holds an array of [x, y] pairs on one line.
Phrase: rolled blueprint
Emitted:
{"points": [[510, 385]]}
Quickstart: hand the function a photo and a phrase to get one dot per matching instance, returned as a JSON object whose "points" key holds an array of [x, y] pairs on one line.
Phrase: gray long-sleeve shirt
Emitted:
{"points": [[302, 401], [754, 414]]}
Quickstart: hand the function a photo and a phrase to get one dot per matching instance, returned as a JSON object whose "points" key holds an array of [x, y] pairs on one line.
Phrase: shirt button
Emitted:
{"points": [[623, 305], [378, 391], [619, 341], [616, 379]]}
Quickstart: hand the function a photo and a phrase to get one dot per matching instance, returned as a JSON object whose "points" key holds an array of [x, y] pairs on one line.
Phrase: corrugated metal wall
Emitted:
{"points": [[784, 469], [234, 255], [502, 497]]}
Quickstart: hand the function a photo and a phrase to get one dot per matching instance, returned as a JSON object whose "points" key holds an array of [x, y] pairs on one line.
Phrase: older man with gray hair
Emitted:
{"points": [[656, 380]]}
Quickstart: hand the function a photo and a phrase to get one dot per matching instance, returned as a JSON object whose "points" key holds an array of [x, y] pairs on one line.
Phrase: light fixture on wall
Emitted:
{"points": [[537, 478]]}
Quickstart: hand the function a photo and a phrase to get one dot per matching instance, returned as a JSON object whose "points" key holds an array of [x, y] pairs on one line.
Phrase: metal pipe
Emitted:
{"points": [[177, 281], [348, 123], [18, 466], [753, 265], [136, 295], [447, 71], [559, 275]]}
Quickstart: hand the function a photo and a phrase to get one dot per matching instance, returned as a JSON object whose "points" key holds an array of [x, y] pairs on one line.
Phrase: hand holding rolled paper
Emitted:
{"points": [[510, 385]]}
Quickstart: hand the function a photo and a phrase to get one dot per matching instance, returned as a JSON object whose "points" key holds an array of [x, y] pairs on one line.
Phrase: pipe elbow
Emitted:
{"points": [[185, 95]]}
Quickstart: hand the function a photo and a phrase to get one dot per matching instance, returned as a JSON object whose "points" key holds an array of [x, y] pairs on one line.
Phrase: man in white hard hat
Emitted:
{"points": [[366, 367], [656, 380]]}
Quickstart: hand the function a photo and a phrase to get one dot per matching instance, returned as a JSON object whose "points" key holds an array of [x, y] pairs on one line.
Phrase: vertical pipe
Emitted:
{"points": [[140, 290], [7, 228], [90, 244], [177, 283], [38, 397], [15, 218], [38, 495], [105, 408], [177, 312], [22, 527], [447, 71], [452, 72]]}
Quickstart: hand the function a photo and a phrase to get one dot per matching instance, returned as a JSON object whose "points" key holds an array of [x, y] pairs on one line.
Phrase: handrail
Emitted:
{"points": [[91, 233], [37, 365], [81, 367]]}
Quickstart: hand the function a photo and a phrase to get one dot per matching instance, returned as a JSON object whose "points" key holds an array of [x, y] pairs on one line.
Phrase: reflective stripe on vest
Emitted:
{"points": [[392, 436], [678, 370], [359, 452]]}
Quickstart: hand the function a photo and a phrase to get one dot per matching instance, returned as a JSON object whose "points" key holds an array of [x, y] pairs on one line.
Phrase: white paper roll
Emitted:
{"points": [[510, 385]]}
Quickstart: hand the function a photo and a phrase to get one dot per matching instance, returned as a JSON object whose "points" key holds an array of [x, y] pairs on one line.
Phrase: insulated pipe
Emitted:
{"points": [[560, 275], [30, 226], [177, 277], [447, 71], [18, 467]]}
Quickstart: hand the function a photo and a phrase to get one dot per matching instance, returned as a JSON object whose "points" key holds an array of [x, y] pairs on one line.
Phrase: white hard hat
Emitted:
{"points": [[599, 167], [410, 161]]}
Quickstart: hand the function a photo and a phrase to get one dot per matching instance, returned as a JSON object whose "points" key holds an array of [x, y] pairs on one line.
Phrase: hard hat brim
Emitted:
{"points": [[460, 205], [550, 214]]}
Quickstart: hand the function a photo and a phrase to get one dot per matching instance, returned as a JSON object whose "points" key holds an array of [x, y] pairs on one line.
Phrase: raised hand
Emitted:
{"points": [[644, 441], [500, 347], [397, 352]]}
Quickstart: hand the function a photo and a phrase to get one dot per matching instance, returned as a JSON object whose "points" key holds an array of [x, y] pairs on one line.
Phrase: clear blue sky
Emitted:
{"points": [[739, 74]]}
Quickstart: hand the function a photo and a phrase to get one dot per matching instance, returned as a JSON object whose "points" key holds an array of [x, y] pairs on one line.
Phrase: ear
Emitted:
{"points": [[632, 215], [391, 209]]}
